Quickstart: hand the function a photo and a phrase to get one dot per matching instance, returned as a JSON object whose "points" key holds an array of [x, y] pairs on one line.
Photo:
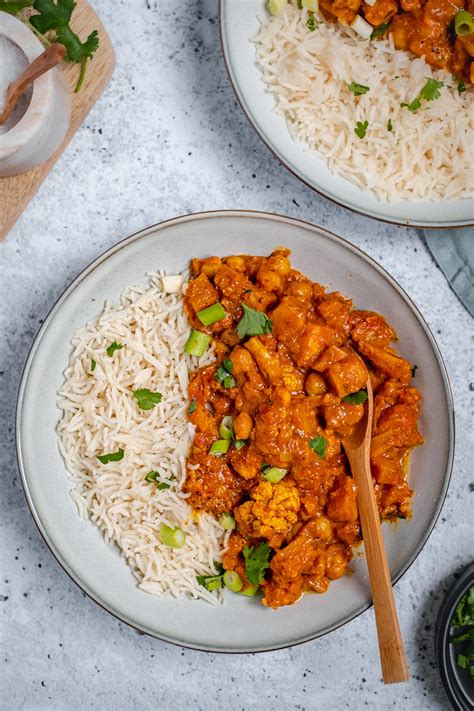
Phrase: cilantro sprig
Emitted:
{"points": [[429, 92], [256, 562], [146, 399], [318, 444], [358, 89], [356, 398], [361, 128], [464, 618], [53, 19], [253, 323]]}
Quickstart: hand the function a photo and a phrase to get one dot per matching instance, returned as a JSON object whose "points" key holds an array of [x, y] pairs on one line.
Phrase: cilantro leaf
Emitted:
{"points": [[146, 399], [239, 443], [192, 407], [464, 613], [223, 375], [114, 347], [93, 364], [431, 89], [319, 444], [13, 8], [253, 323], [111, 457], [379, 31], [389, 125], [51, 15], [256, 562], [311, 23], [461, 87], [163, 485], [361, 128], [413, 105], [356, 398], [358, 89], [77, 51]]}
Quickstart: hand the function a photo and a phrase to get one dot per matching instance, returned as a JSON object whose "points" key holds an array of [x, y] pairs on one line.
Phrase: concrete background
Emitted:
{"points": [[168, 138]]}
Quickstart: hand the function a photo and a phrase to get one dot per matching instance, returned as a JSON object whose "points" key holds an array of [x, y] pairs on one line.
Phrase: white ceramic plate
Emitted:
{"points": [[241, 624], [238, 23]]}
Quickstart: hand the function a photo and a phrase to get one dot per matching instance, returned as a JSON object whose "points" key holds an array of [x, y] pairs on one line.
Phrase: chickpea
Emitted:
{"points": [[301, 289], [268, 279], [315, 384], [210, 266], [243, 424], [237, 263], [279, 263]]}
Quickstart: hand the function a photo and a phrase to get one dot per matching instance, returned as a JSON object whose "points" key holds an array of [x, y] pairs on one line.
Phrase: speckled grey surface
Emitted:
{"points": [[168, 138]]}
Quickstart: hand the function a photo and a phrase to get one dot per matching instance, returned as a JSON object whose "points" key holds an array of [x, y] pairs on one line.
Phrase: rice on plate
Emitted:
{"points": [[372, 138], [137, 346]]}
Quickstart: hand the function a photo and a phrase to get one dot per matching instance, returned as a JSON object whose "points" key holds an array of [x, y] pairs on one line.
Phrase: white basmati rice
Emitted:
{"points": [[100, 415], [428, 154]]}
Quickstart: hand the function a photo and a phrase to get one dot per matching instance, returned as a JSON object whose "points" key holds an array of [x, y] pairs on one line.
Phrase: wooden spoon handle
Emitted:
{"points": [[392, 652], [48, 59]]}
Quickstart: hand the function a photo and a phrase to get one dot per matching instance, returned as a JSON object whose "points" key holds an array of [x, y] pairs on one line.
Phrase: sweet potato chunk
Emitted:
{"points": [[347, 375]]}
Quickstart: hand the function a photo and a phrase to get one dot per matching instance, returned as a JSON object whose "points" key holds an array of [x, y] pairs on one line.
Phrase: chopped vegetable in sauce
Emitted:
{"points": [[111, 457]]}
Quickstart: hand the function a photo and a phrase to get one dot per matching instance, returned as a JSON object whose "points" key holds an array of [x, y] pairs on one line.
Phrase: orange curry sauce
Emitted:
{"points": [[289, 390], [422, 26]]}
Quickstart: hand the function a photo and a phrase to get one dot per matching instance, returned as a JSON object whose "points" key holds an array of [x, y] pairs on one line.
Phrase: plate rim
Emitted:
{"points": [[84, 273], [462, 224]]}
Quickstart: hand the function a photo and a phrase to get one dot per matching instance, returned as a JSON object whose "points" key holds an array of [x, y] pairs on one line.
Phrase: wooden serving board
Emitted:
{"points": [[17, 191]]}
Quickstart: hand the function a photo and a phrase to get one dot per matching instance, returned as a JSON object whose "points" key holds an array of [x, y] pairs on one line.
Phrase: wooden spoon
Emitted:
{"points": [[48, 59], [357, 448]]}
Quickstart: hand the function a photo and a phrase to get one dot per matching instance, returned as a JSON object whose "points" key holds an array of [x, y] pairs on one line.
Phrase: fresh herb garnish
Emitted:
{"points": [[223, 374], [379, 31], [319, 444], [389, 125], [239, 443], [461, 87], [429, 92], [93, 364], [111, 457], [356, 398], [311, 23], [413, 371], [256, 562], [358, 89], [253, 323], [464, 618], [114, 347], [212, 582], [361, 128], [192, 407], [52, 20], [146, 399], [464, 613]]}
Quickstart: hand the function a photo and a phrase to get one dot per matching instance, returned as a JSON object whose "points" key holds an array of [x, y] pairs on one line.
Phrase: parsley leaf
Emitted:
{"points": [[223, 375], [192, 407], [319, 444], [390, 125], [358, 89], [379, 31], [356, 398], [431, 89], [113, 347], [311, 23], [256, 562], [93, 364], [111, 457], [361, 128], [146, 399], [253, 323]]}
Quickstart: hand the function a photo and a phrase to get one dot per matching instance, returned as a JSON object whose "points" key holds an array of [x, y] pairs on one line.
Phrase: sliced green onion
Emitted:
{"points": [[274, 474], [250, 591], [239, 443], [226, 429], [227, 521], [219, 447], [212, 314], [213, 583], [172, 537], [233, 581], [228, 382], [197, 343], [464, 23]]}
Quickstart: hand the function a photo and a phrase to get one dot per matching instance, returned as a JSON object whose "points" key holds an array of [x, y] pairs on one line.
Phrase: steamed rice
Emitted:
{"points": [[100, 415], [429, 153]]}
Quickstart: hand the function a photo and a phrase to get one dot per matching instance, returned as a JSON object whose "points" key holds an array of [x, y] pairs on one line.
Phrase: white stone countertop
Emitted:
{"points": [[167, 138]]}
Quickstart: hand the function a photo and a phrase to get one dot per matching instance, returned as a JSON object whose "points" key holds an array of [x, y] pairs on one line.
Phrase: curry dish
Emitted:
{"points": [[271, 413], [425, 27]]}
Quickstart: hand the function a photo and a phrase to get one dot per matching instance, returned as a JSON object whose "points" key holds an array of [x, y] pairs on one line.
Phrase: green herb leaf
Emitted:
{"points": [[390, 125], [256, 562], [319, 444], [464, 613], [152, 476], [93, 364], [77, 51], [461, 87], [212, 582], [431, 89], [146, 399], [311, 23], [413, 371], [379, 31], [114, 347], [228, 365], [413, 105], [56, 16], [223, 375], [361, 128], [461, 661], [192, 407], [111, 457], [358, 89], [13, 8], [239, 443], [253, 323], [163, 486], [356, 398]]}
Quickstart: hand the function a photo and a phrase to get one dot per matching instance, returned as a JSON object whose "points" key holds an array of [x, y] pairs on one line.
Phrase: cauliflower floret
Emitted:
{"points": [[270, 513]]}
